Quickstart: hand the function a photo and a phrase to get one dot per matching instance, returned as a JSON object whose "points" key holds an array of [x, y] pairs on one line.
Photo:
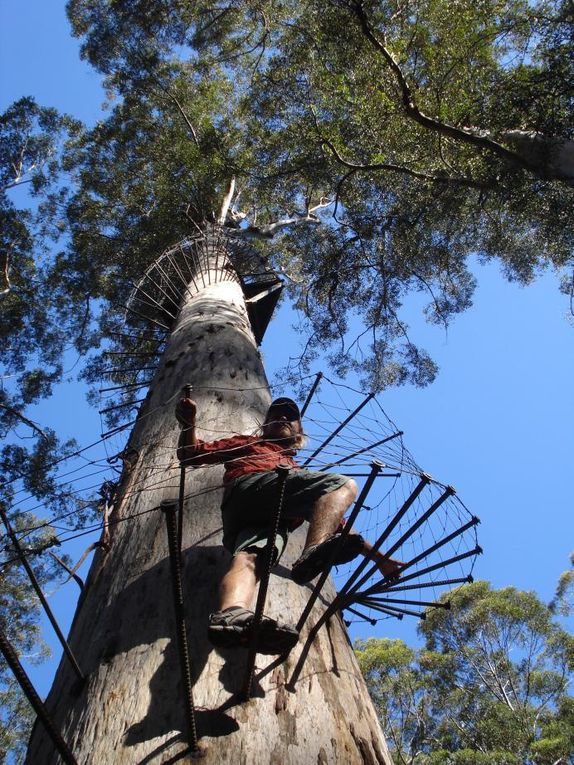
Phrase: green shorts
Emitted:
{"points": [[250, 502]]}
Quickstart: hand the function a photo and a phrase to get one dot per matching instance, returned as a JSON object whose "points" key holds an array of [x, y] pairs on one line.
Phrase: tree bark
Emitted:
{"points": [[131, 708]]}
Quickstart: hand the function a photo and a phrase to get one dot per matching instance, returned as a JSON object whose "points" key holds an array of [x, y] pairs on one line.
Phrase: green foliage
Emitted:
{"points": [[32, 214], [393, 111], [489, 686], [33, 331], [16, 720], [563, 601]]}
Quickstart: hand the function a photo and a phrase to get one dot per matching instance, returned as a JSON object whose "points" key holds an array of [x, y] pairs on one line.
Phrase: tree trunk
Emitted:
{"points": [[131, 708], [554, 157]]}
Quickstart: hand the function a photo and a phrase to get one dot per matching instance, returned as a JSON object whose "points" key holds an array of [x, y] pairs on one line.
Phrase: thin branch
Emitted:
{"points": [[190, 218], [214, 19], [439, 311], [71, 572], [16, 183], [263, 45], [169, 94], [354, 167], [25, 420], [183, 114], [6, 272]]}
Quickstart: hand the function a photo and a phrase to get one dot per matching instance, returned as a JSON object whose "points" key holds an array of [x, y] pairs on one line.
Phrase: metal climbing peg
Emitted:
{"points": [[282, 473], [187, 390], [168, 507]]}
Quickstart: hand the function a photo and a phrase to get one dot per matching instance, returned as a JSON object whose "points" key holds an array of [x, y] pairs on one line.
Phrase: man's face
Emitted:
{"points": [[281, 422]]}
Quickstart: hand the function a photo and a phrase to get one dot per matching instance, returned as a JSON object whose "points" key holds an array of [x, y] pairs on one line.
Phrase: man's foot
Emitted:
{"points": [[314, 558], [389, 567], [275, 637], [232, 629]]}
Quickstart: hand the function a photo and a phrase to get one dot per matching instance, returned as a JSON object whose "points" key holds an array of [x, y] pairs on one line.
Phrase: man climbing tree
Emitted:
{"points": [[126, 623], [299, 103], [252, 489]]}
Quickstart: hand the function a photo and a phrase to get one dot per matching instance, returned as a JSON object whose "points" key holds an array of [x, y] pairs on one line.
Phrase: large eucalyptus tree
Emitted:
{"points": [[435, 131]]}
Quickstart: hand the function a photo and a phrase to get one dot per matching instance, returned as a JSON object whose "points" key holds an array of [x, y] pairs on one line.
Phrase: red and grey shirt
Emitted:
{"points": [[241, 455]]}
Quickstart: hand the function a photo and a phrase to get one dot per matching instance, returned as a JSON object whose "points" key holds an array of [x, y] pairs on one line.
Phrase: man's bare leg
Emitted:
{"points": [[229, 627], [321, 544], [237, 588], [328, 513]]}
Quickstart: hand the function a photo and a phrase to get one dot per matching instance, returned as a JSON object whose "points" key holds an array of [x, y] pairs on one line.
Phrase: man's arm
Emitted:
{"points": [[193, 451], [185, 413]]}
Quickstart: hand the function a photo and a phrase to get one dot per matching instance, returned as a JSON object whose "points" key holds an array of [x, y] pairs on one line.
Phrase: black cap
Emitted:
{"points": [[286, 403]]}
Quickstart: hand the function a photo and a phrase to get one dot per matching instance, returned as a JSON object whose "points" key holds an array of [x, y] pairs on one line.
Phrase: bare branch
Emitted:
{"points": [[226, 202], [268, 230], [6, 271], [411, 108], [16, 183], [71, 572]]}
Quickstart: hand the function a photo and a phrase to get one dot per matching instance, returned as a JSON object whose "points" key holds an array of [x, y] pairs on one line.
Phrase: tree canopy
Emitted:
{"points": [[490, 685], [36, 327], [439, 133]]}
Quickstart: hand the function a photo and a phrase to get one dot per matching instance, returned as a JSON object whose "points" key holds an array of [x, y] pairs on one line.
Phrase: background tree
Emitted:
{"points": [[35, 330], [490, 685], [563, 601], [36, 326], [32, 212]]}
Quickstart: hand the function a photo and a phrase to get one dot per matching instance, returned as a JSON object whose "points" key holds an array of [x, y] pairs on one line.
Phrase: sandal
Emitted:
{"points": [[275, 637], [232, 629], [314, 558]]}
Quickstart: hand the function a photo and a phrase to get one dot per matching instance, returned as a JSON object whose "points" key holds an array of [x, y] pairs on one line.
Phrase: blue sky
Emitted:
{"points": [[497, 423]]}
